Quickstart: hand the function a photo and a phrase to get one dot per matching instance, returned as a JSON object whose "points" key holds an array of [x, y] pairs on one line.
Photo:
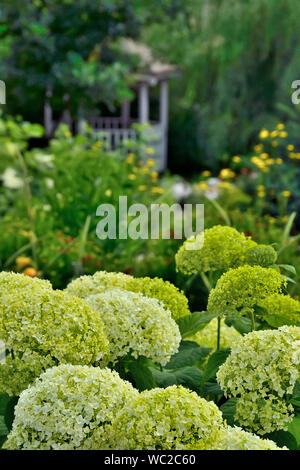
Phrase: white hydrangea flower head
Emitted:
{"points": [[172, 298], [235, 438], [168, 418], [64, 406], [136, 324]]}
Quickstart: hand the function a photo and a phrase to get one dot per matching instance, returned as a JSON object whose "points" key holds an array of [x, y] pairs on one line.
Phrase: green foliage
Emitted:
{"points": [[238, 61], [67, 47]]}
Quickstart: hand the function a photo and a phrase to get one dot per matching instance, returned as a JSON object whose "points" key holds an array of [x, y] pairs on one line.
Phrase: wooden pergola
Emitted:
{"points": [[114, 130]]}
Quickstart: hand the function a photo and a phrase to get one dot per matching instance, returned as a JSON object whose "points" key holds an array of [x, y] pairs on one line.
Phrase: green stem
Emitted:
{"points": [[252, 321], [208, 285], [219, 334]]}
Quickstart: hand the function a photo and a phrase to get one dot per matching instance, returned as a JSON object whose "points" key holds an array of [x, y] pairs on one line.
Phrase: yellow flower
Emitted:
{"points": [[290, 147], [292, 155], [283, 134], [154, 176], [108, 192], [203, 186], [157, 190], [130, 158], [226, 173], [132, 176], [260, 187], [149, 151], [264, 155], [274, 143], [236, 159], [263, 134], [98, 144], [297, 156], [150, 162], [270, 161], [286, 193], [280, 126], [274, 134], [67, 134], [279, 161], [285, 218], [206, 173], [142, 187], [261, 194], [22, 261], [258, 148]]}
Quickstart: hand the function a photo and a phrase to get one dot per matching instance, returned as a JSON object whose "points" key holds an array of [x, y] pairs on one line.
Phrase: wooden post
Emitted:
{"points": [[48, 114], [143, 103], [164, 118], [125, 114]]}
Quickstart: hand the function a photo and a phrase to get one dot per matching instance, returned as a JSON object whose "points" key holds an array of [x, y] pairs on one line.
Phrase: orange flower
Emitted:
{"points": [[30, 272]]}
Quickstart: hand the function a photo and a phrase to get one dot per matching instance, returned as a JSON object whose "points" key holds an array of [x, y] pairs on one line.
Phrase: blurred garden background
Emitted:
{"points": [[233, 131]]}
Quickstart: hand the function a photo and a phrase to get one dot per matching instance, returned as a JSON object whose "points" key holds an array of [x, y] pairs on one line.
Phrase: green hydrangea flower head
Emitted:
{"points": [[280, 310], [261, 255], [53, 325], [64, 406], [207, 337], [223, 248], [168, 418], [235, 438], [172, 298], [136, 324], [16, 373], [261, 372], [10, 282], [243, 288]]}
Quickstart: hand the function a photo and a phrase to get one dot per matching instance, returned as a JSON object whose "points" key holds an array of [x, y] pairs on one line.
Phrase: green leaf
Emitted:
{"points": [[287, 229], [4, 399], [288, 267], [295, 400], [241, 324], [141, 373], [289, 279], [283, 438], [212, 388], [228, 410], [3, 427], [9, 412], [190, 324], [214, 362], [294, 429], [189, 354], [189, 377]]}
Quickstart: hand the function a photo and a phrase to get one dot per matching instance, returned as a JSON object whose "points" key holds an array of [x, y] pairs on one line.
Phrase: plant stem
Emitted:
{"points": [[208, 285], [219, 334], [252, 321]]}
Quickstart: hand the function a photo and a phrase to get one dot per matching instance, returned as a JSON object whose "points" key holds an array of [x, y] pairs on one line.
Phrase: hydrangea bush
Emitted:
{"points": [[64, 406]]}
